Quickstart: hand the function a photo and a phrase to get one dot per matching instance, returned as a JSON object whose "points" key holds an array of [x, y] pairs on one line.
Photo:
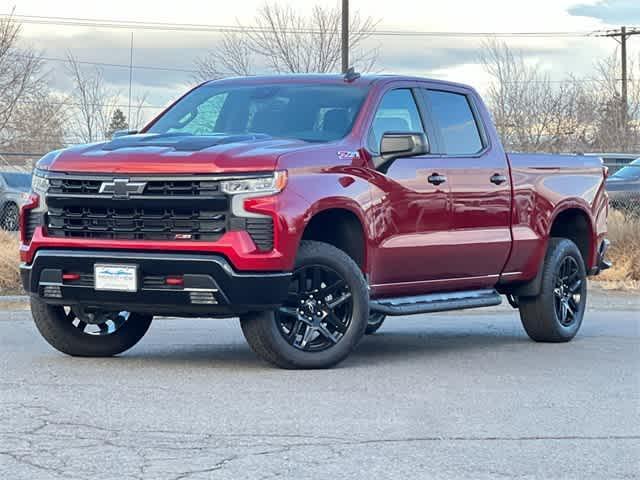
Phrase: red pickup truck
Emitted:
{"points": [[311, 207]]}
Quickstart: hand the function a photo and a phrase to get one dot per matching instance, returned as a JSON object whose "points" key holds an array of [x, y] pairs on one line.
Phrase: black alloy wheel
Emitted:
{"points": [[88, 332], [323, 317], [96, 322], [318, 309], [568, 291], [556, 313]]}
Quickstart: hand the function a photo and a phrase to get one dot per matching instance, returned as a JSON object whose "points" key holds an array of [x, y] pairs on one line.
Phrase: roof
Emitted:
{"points": [[327, 78]]}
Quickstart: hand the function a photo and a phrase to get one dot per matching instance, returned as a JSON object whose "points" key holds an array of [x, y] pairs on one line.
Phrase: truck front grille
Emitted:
{"points": [[136, 223], [161, 208], [164, 188]]}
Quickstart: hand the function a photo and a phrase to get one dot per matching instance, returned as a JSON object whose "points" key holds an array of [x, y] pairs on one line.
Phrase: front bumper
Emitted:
{"points": [[211, 286]]}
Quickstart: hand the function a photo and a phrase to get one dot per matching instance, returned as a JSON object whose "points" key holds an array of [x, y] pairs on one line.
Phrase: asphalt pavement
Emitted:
{"points": [[448, 396]]}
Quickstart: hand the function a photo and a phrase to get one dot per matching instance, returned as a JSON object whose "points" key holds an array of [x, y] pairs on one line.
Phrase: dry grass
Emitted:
{"points": [[9, 263], [624, 233]]}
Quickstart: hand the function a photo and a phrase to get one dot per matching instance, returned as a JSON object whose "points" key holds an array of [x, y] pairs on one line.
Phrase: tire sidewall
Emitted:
{"points": [[564, 248], [350, 272], [53, 325], [375, 322]]}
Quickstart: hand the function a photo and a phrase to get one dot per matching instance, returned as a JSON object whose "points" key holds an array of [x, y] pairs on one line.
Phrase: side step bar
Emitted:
{"points": [[436, 302]]}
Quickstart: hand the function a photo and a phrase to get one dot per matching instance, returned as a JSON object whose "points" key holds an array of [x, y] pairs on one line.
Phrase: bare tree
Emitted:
{"points": [[533, 113], [139, 116], [284, 41], [38, 124], [21, 79], [616, 125], [231, 57], [92, 103]]}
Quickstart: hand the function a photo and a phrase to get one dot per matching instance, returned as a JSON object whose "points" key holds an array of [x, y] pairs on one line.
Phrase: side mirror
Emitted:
{"points": [[123, 133], [402, 144]]}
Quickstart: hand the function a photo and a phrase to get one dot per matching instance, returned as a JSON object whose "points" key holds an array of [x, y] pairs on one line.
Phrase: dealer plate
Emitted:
{"points": [[121, 278]]}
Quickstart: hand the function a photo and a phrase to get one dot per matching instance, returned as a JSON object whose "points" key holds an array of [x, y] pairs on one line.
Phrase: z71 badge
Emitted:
{"points": [[347, 155]]}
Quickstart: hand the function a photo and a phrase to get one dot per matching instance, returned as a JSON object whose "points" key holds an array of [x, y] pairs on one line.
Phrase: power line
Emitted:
{"points": [[118, 65], [191, 27], [75, 104]]}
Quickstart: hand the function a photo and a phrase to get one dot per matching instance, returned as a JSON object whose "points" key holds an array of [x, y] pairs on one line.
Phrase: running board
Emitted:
{"points": [[436, 302]]}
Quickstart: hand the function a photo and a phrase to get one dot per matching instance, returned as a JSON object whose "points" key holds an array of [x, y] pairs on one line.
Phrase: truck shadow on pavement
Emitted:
{"points": [[382, 348]]}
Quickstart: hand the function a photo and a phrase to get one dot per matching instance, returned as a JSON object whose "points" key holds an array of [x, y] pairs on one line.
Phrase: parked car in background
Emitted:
{"points": [[615, 161], [14, 192], [624, 188]]}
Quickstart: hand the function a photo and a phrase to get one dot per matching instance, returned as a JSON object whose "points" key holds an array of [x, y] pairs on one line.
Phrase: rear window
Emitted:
{"points": [[455, 121]]}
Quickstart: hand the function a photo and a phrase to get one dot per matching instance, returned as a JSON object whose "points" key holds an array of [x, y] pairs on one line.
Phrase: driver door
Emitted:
{"points": [[412, 212]]}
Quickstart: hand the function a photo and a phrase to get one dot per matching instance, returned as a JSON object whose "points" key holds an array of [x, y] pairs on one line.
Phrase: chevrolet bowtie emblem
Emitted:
{"points": [[122, 188]]}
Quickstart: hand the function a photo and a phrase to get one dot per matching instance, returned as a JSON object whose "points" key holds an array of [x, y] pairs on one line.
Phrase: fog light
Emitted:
{"points": [[52, 291]]}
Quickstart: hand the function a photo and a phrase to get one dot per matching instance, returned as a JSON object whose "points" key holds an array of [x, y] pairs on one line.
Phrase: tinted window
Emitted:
{"points": [[17, 180], [455, 121], [315, 113], [397, 113]]}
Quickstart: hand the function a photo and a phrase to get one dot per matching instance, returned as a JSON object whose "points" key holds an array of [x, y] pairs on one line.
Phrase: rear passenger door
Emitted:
{"points": [[478, 176]]}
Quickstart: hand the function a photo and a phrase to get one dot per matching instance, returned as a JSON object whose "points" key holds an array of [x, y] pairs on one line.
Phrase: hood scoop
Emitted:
{"points": [[179, 142]]}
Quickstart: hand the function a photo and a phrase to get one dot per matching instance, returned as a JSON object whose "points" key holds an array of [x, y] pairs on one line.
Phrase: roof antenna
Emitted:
{"points": [[351, 75]]}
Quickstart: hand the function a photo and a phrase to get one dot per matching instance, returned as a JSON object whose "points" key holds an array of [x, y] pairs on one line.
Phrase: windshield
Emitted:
{"points": [[313, 113], [17, 180], [630, 172]]}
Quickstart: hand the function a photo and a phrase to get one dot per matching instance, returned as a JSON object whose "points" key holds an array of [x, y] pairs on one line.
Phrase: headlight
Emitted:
{"points": [[39, 183], [267, 185]]}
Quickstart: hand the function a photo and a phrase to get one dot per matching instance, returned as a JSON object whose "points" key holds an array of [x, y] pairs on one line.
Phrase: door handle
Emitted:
{"points": [[436, 179], [498, 179]]}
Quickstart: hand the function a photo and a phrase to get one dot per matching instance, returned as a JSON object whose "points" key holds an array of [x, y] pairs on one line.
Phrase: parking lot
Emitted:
{"points": [[461, 395]]}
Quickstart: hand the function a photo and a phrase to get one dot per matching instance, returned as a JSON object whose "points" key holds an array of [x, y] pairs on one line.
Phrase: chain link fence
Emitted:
{"points": [[627, 203]]}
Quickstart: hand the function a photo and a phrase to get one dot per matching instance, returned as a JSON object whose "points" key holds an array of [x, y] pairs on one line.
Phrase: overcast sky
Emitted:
{"points": [[450, 58]]}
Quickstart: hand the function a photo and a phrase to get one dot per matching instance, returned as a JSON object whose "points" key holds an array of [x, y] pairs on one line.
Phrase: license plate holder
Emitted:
{"points": [[115, 277]]}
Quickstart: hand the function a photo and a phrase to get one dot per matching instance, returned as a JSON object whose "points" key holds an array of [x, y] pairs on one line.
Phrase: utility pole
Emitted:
{"points": [[345, 36], [621, 37]]}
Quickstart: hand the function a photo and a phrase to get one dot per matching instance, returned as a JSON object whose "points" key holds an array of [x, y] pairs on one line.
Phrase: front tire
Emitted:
{"points": [[556, 314], [78, 332], [323, 318]]}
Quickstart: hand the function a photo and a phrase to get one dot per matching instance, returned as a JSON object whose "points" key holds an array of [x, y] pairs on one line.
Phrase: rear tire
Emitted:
{"points": [[376, 320], [323, 318], [556, 314], [67, 333]]}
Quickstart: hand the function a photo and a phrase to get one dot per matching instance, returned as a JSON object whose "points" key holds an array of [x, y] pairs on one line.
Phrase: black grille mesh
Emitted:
{"points": [[136, 223]]}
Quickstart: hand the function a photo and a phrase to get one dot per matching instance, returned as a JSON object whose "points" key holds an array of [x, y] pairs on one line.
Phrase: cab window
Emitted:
{"points": [[397, 112]]}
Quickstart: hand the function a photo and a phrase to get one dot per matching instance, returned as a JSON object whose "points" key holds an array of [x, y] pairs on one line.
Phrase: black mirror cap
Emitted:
{"points": [[402, 144], [123, 133]]}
